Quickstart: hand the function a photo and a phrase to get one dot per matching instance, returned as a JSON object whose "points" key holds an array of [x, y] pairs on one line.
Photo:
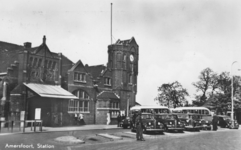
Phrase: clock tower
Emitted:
{"points": [[123, 64]]}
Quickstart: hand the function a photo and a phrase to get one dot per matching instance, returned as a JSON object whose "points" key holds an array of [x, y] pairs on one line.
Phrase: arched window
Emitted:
{"points": [[118, 60], [81, 105]]}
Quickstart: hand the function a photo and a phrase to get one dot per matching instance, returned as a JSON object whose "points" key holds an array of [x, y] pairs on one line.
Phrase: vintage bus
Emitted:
{"points": [[150, 109], [197, 110]]}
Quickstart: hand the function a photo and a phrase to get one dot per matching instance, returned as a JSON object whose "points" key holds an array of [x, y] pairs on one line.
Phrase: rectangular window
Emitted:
{"points": [[35, 62], [107, 81], [46, 63], [75, 76], [71, 106], [54, 65], [31, 61], [39, 62], [81, 106], [86, 106], [77, 106], [49, 65], [80, 77]]}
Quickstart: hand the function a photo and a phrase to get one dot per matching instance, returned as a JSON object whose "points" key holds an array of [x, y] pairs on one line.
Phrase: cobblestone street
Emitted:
{"points": [[104, 139], [223, 139]]}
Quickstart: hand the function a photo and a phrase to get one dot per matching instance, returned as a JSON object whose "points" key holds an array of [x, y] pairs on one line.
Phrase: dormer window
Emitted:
{"points": [[81, 77], [107, 81]]}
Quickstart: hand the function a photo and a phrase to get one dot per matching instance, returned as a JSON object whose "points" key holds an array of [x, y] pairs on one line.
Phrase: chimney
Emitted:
{"points": [[27, 44], [44, 39]]}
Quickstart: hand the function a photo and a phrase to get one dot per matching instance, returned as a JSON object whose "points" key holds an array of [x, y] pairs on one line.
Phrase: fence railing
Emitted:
{"points": [[10, 124]]}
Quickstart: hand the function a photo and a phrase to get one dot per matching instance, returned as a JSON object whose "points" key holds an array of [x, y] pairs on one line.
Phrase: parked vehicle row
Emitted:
{"points": [[161, 119], [177, 122]]}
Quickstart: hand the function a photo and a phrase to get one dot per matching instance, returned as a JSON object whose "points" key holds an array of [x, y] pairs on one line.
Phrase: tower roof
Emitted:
{"points": [[126, 42]]}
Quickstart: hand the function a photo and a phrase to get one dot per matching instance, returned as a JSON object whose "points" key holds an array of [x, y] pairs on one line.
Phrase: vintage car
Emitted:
{"points": [[226, 122], [205, 122], [126, 123], [171, 122], [150, 124], [190, 120]]}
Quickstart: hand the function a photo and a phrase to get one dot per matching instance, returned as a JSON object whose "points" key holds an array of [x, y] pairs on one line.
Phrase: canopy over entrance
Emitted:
{"points": [[50, 91]]}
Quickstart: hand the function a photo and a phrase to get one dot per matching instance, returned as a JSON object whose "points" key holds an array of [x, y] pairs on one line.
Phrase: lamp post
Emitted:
{"points": [[232, 105]]}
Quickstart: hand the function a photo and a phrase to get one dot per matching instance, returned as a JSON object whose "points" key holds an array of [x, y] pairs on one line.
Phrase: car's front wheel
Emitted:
{"points": [[124, 127], [180, 131]]}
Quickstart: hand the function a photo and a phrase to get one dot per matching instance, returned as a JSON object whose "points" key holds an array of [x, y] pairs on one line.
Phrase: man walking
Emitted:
{"points": [[118, 120], [215, 122], [139, 131]]}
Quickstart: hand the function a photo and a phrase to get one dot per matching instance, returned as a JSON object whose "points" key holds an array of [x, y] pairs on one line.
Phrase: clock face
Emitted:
{"points": [[131, 58]]}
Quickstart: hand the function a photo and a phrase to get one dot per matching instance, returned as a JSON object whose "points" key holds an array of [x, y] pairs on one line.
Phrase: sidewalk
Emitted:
{"points": [[59, 129]]}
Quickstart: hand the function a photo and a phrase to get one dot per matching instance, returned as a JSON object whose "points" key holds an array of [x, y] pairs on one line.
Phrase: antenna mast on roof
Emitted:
{"points": [[111, 24]]}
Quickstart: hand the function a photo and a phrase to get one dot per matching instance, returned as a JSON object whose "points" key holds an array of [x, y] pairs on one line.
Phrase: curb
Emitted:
{"points": [[64, 130], [108, 136]]}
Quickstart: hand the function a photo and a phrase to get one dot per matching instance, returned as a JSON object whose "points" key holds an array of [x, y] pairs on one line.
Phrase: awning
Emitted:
{"points": [[50, 91]]}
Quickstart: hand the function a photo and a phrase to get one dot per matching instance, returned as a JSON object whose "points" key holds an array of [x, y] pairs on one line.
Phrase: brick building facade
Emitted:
{"points": [[66, 93]]}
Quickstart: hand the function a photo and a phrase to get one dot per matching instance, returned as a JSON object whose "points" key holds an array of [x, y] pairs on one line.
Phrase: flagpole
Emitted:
{"points": [[111, 24]]}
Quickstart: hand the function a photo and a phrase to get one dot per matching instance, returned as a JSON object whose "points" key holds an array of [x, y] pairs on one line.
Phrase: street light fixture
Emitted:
{"points": [[232, 113]]}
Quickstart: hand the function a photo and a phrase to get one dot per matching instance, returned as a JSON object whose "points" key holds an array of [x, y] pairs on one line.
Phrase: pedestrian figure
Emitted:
{"points": [[123, 117], [118, 120], [139, 128], [215, 122], [133, 119]]}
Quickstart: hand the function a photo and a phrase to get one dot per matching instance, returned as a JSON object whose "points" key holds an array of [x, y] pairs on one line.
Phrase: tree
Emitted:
{"points": [[171, 93], [207, 80], [222, 98]]}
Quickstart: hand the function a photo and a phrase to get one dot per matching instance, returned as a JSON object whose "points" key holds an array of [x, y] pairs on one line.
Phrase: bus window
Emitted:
{"points": [[164, 111], [205, 112]]}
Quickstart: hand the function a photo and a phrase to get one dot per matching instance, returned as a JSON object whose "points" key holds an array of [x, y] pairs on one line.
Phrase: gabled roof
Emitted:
{"points": [[95, 71], [76, 65], [107, 95]]}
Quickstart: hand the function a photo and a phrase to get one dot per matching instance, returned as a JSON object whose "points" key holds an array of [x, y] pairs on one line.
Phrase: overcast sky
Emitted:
{"points": [[177, 38]]}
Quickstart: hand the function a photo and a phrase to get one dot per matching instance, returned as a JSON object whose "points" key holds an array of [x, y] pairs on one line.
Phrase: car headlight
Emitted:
{"points": [[149, 123], [179, 123], [187, 120], [159, 123], [170, 123]]}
